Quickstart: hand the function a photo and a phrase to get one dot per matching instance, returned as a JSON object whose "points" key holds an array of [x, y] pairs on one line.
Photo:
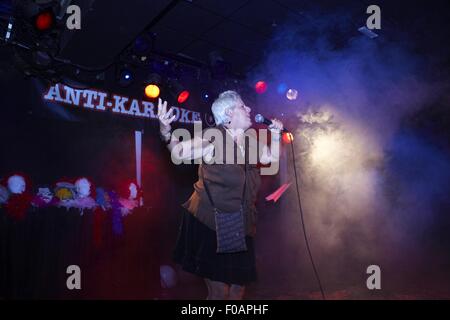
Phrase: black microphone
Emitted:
{"points": [[260, 119]]}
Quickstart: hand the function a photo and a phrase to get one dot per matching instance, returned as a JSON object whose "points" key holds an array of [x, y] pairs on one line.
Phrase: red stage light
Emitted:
{"points": [[183, 96], [288, 137], [44, 21], [261, 87]]}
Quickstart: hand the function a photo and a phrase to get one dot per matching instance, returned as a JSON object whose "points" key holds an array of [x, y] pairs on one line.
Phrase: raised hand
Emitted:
{"points": [[276, 126], [165, 117]]}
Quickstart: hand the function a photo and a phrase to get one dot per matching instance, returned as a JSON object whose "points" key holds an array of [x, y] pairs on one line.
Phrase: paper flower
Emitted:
{"points": [[17, 205], [83, 187], [64, 191], [17, 184], [129, 189], [44, 198], [103, 199], [4, 195], [19, 199], [117, 225]]}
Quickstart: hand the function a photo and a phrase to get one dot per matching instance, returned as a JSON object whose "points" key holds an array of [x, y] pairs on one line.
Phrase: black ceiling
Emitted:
{"points": [[239, 29]]}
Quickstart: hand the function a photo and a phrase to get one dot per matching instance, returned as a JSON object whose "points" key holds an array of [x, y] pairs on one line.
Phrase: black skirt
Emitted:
{"points": [[195, 251]]}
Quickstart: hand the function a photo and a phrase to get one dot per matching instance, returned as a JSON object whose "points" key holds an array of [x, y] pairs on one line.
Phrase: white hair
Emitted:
{"points": [[227, 99]]}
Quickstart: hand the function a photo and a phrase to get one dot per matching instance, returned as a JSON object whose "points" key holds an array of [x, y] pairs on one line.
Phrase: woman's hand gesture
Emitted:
{"points": [[276, 126], [165, 117]]}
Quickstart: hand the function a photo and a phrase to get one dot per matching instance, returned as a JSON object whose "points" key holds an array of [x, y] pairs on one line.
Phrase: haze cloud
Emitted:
{"points": [[370, 186]]}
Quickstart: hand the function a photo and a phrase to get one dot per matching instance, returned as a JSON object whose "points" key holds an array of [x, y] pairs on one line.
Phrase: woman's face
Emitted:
{"points": [[239, 117]]}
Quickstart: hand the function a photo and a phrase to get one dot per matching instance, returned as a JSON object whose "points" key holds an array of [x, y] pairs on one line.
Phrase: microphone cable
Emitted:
{"points": [[303, 222]]}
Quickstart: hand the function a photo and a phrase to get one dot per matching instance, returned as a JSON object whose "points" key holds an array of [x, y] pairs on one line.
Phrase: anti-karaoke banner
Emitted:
{"points": [[101, 101]]}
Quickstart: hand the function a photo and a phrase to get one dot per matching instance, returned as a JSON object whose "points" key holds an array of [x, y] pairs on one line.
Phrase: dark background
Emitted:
{"points": [[49, 142]]}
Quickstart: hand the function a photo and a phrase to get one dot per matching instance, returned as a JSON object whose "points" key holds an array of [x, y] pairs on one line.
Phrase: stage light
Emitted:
{"points": [[152, 85], [44, 20], [183, 96], [292, 94], [288, 137], [125, 77], [281, 89], [178, 91], [205, 96], [260, 87], [152, 91]]}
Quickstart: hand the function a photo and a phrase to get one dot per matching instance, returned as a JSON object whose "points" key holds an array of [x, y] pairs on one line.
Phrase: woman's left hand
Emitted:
{"points": [[276, 126]]}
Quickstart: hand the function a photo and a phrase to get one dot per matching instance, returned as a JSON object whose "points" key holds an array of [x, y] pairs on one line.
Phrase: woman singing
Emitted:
{"points": [[222, 186]]}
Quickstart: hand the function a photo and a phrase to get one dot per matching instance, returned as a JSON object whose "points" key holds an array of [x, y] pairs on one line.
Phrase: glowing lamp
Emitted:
{"points": [[44, 20], [281, 89], [292, 94], [152, 91], [288, 137], [260, 87], [125, 77], [183, 96], [178, 91]]}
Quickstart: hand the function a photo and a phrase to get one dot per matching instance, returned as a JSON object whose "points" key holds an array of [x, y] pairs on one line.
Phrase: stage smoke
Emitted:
{"points": [[372, 187]]}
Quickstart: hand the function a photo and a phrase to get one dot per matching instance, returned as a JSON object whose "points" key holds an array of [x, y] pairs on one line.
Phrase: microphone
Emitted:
{"points": [[260, 119]]}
